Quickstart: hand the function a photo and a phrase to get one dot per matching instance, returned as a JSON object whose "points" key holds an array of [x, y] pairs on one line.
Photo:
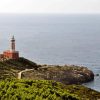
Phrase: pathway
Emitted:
{"points": [[20, 73]]}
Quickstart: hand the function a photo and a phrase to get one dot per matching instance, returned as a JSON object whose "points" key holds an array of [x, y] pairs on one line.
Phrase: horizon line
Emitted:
{"points": [[48, 13]]}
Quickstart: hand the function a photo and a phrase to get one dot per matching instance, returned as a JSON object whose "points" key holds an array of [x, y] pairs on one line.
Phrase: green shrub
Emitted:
{"points": [[34, 90]]}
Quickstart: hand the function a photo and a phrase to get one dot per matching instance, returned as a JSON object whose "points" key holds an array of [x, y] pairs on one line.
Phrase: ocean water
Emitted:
{"points": [[55, 39]]}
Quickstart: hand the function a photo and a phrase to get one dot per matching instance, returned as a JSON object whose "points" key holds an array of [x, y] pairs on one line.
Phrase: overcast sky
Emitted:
{"points": [[49, 6]]}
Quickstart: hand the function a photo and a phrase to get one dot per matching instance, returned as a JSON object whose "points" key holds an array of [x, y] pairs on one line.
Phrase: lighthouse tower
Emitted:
{"points": [[13, 44], [12, 53]]}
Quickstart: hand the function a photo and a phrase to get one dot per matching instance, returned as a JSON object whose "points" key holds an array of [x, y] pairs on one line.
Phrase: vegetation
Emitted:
{"points": [[44, 90], [39, 88], [10, 68]]}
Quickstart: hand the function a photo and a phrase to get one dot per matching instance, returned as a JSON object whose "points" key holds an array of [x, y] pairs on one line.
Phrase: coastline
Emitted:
{"points": [[31, 74]]}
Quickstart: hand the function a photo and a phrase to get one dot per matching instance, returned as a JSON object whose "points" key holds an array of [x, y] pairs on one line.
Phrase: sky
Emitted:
{"points": [[49, 6]]}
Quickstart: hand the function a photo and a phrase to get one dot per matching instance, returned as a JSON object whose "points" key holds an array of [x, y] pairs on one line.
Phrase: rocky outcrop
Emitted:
{"points": [[68, 74]]}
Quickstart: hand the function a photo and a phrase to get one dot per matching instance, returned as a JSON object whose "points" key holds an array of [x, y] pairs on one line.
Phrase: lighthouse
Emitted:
{"points": [[12, 53]]}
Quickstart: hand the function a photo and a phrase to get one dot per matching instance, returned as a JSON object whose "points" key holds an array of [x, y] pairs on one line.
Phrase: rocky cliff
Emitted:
{"points": [[68, 74]]}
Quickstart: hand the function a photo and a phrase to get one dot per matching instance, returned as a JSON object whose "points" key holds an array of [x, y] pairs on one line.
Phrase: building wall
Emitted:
{"points": [[14, 55], [11, 55]]}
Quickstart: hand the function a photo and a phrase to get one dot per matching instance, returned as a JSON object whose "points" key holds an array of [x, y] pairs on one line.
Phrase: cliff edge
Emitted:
{"points": [[67, 74]]}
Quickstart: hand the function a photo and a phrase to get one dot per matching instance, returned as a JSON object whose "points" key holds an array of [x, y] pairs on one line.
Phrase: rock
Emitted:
{"points": [[66, 74], [96, 74]]}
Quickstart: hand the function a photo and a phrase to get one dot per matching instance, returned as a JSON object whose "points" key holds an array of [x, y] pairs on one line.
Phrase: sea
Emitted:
{"points": [[59, 39]]}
